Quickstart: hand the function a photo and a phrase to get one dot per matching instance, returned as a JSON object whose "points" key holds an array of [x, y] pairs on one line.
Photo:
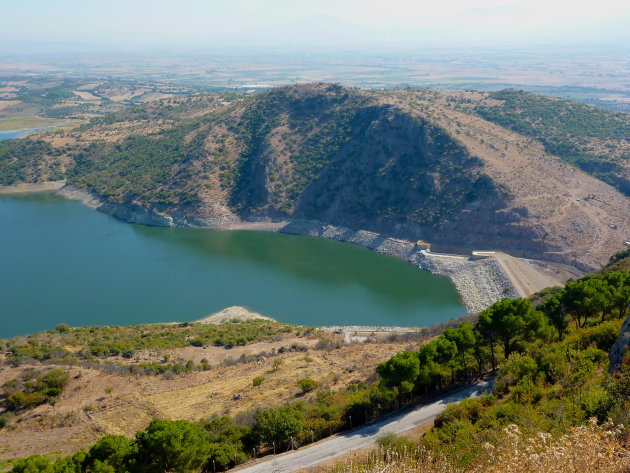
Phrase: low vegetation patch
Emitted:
{"points": [[307, 385], [258, 380], [91, 344], [33, 388]]}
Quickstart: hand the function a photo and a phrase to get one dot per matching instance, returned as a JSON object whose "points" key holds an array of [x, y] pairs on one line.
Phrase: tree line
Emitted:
{"points": [[508, 326]]}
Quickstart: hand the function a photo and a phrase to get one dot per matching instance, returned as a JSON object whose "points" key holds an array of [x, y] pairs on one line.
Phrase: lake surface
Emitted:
{"points": [[9, 135], [62, 262]]}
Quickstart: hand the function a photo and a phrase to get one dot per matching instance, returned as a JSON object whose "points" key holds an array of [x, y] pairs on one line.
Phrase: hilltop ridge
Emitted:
{"points": [[459, 169]]}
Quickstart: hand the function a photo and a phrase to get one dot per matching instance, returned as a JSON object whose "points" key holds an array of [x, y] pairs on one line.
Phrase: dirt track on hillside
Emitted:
{"points": [[526, 279]]}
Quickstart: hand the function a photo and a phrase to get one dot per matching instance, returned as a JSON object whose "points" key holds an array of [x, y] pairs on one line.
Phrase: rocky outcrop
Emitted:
{"points": [[620, 347], [145, 214], [233, 314]]}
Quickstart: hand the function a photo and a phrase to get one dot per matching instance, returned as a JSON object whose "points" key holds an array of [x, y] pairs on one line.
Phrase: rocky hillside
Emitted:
{"points": [[502, 171]]}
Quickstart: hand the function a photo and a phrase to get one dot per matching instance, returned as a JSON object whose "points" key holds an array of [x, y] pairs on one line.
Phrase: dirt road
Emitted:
{"points": [[526, 279], [362, 437]]}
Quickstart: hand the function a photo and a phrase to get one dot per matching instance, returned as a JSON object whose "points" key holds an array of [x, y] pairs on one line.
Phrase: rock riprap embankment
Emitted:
{"points": [[480, 283]]}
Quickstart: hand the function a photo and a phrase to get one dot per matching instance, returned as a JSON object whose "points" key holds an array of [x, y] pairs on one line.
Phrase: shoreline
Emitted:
{"points": [[24, 188], [479, 281]]}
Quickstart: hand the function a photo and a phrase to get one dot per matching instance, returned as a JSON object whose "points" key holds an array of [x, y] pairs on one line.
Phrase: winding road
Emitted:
{"points": [[362, 437]]}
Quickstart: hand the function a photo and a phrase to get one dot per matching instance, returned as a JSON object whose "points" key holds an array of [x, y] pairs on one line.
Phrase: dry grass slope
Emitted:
{"points": [[85, 411], [590, 448]]}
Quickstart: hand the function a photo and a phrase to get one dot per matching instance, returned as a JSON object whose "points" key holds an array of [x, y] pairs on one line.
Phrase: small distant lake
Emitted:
{"points": [[62, 262], [10, 135]]}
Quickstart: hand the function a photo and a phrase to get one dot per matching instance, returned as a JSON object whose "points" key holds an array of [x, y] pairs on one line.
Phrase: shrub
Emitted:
{"points": [[223, 429], [395, 443], [516, 368], [277, 425], [223, 456], [327, 344], [257, 381], [603, 335], [33, 464], [21, 400], [34, 388], [307, 385], [115, 450], [5, 419], [56, 378], [62, 328]]}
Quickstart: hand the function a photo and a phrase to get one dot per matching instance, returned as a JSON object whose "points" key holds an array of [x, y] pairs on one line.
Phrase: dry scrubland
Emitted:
{"points": [[590, 448], [85, 412], [543, 188]]}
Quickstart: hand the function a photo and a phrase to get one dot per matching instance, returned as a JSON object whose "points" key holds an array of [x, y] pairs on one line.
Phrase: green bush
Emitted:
{"points": [[393, 443], [113, 450], [223, 456], [33, 464], [62, 328], [516, 368], [307, 385], [34, 388], [5, 419], [257, 381]]}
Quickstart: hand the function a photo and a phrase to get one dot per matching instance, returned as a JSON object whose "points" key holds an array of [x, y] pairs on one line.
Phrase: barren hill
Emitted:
{"points": [[463, 169]]}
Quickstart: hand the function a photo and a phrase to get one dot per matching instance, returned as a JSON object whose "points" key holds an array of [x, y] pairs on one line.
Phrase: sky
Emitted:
{"points": [[186, 23]]}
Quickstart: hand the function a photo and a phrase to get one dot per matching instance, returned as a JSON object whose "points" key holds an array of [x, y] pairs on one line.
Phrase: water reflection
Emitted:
{"points": [[62, 262], [326, 262]]}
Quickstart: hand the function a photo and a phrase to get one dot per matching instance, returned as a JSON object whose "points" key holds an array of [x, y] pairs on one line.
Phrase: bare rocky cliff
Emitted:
{"points": [[620, 348]]}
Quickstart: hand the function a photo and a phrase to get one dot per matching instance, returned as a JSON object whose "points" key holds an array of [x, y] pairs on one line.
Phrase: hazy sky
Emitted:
{"points": [[140, 23]]}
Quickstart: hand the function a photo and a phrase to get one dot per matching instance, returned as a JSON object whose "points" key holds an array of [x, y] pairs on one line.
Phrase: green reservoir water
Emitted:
{"points": [[63, 262]]}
